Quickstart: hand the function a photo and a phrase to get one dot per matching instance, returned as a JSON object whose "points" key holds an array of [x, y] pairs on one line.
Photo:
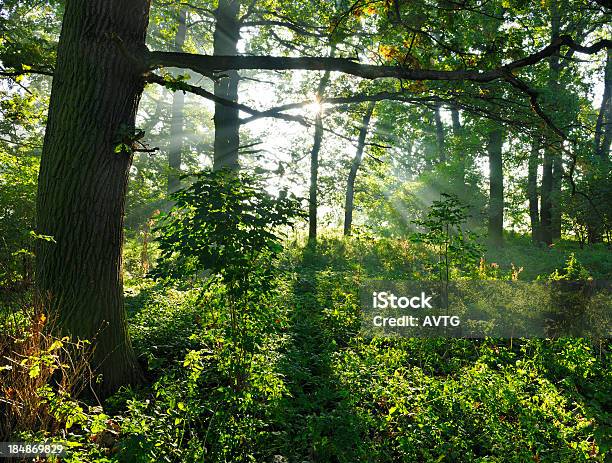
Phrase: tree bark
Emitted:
{"points": [[440, 135], [458, 132], [313, 199], [558, 172], [226, 119], [83, 179], [205, 63], [545, 202], [175, 152], [601, 142], [496, 187], [554, 64], [532, 191], [350, 184], [603, 128], [314, 179]]}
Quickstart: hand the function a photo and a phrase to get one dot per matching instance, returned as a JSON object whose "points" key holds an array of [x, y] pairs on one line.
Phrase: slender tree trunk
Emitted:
{"points": [[458, 132], [554, 154], [177, 118], [226, 119], [496, 187], [314, 179], [350, 184], [532, 191], [603, 128], [545, 202], [82, 181], [440, 135], [601, 142], [313, 200], [558, 172]]}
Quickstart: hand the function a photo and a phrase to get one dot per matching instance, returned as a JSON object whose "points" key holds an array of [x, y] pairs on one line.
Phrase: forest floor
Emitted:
{"points": [[317, 391], [302, 385]]}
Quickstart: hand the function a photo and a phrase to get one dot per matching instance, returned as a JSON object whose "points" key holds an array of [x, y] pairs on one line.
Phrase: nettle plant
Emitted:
{"points": [[225, 228], [444, 230]]}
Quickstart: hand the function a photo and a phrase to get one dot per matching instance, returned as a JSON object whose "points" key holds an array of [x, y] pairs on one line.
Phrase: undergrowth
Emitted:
{"points": [[315, 390]]}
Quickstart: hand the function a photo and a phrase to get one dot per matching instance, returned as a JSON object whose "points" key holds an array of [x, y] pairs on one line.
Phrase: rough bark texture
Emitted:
{"points": [[440, 135], [82, 181], [532, 191], [175, 152], [226, 119], [350, 184], [496, 187]]}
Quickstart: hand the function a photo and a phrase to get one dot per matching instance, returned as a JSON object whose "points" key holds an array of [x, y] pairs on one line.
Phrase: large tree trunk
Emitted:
{"points": [[82, 181], [532, 191], [496, 187], [350, 184], [226, 119], [440, 135], [175, 151]]}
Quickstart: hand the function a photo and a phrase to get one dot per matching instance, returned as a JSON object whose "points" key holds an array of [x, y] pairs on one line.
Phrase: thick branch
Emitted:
{"points": [[204, 64]]}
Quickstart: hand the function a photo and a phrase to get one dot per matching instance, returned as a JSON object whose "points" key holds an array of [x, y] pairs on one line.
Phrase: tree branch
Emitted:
{"points": [[157, 79], [204, 64], [285, 24], [533, 99], [359, 98], [22, 72]]}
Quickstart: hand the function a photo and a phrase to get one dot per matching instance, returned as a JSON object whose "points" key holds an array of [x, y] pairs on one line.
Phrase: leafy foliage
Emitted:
{"points": [[224, 225], [445, 232]]}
